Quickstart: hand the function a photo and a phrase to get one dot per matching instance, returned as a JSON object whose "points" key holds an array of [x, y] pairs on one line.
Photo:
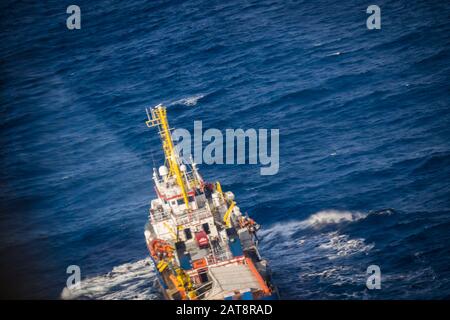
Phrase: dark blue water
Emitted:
{"points": [[364, 125]]}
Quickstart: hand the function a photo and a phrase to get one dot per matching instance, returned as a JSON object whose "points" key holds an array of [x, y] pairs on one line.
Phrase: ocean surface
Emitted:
{"points": [[364, 120]]}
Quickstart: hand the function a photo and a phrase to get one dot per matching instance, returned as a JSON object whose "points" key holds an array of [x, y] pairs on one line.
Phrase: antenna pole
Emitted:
{"points": [[159, 118]]}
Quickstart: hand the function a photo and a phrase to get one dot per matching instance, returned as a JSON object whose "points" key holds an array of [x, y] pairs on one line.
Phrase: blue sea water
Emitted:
{"points": [[364, 126]]}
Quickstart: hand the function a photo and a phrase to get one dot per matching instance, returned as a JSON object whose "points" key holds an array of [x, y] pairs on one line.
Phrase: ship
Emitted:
{"points": [[200, 243]]}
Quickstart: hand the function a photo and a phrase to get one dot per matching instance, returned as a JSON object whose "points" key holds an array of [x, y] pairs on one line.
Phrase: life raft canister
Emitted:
{"points": [[202, 239]]}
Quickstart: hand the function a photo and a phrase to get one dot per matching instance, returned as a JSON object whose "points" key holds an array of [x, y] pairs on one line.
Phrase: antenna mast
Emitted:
{"points": [[157, 117]]}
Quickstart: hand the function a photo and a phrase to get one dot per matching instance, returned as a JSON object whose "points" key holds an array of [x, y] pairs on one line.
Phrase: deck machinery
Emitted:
{"points": [[201, 244]]}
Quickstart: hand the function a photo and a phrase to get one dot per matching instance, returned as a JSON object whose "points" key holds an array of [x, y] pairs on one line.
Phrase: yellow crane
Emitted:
{"points": [[158, 118]]}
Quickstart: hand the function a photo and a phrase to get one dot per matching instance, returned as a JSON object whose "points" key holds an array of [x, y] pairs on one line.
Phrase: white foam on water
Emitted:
{"points": [[324, 259], [316, 220], [340, 245], [332, 217], [189, 101], [334, 54], [338, 275], [135, 280], [129, 281], [284, 230], [331, 273]]}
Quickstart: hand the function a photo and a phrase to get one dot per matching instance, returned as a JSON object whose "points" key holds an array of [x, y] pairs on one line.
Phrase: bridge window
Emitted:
{"points": [[188, 233], [206, 228]]}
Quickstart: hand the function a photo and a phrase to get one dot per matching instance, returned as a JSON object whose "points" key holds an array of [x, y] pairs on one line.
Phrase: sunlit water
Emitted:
{"points": [[364, 139]]}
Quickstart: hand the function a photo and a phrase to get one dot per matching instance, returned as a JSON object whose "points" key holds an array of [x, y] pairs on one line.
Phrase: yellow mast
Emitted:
{"points": [[159, 118]]}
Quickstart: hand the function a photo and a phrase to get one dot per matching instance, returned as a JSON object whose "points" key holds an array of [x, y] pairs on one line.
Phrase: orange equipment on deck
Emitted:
{"points": [[161, 249]]}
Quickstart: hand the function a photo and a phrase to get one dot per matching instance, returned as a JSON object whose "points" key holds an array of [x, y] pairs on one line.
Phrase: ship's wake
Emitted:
{"points": [[129, 281], [316, 221], [315, 250]]}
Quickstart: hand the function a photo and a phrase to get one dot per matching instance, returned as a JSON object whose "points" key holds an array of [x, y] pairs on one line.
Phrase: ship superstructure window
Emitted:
{"points": [[181, 200], [188, 233], [203, 277], [206, 228]]}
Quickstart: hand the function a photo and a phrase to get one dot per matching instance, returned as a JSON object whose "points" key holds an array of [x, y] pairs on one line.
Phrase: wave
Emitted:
{"points": [[129, 281], [340, 245], [337, 53], [316, 220], [383, 212], [332, 217], [189, 101]]}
